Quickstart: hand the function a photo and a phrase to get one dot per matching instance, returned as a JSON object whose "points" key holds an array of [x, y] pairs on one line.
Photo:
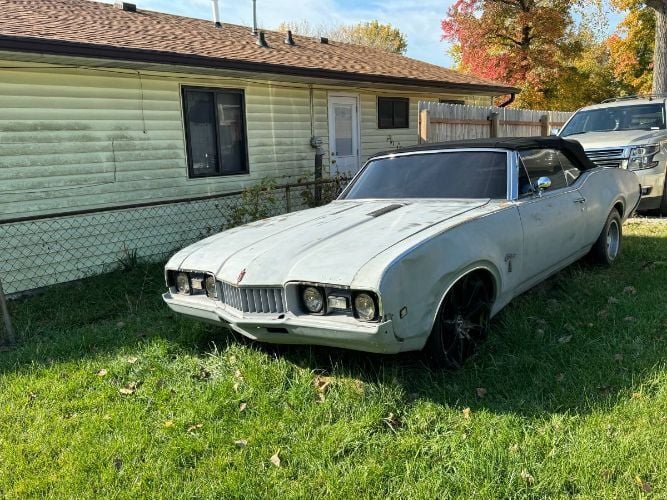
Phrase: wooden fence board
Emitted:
{"points": [[445, 122]]}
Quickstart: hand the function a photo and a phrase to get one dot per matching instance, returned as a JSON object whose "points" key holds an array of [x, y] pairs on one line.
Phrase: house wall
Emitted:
{"points": [[77, 139], [80, 139]]}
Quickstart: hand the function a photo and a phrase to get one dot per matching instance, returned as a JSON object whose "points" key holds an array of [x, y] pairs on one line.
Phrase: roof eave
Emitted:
{"points": [[80, 49]]}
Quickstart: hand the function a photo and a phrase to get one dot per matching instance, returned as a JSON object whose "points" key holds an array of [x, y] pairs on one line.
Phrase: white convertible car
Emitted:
{"points": [[422, 248]]}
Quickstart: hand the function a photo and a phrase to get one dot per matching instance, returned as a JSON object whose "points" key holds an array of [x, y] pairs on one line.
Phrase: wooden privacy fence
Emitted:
{"points": [[448, 122]]}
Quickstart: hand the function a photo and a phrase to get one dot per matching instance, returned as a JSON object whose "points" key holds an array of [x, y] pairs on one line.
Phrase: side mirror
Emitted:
{"points": [[555, 130], [542, 184]]}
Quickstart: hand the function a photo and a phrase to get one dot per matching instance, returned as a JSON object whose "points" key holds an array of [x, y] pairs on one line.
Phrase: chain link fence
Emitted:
{"points": [[39, 252]]}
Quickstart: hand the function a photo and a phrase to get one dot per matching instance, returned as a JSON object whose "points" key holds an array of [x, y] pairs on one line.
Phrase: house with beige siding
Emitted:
{"points": [[112, 109]]}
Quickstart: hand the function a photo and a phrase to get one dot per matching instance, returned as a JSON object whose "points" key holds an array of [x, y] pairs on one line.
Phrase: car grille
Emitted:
{"points": [[607, 157], [266, 300]]}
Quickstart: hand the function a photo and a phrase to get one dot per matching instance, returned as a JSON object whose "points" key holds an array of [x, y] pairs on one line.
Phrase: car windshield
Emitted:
{"points": [[637, 117], [451, 174]]}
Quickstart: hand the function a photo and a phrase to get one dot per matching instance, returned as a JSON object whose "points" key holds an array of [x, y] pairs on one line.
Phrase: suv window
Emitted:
{"points": [[541, 163], [633, 117]]}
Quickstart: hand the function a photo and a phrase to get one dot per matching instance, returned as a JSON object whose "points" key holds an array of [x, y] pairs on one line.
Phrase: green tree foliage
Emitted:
{"points": [[370, 34], [631, 47], [535, 45]]}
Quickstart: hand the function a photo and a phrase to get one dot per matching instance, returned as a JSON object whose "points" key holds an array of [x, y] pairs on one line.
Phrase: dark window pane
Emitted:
{"points": [[200, 123], [543, 163], [393, 112], [401, 114], [385, 113], [453, 174], [232, 132]]}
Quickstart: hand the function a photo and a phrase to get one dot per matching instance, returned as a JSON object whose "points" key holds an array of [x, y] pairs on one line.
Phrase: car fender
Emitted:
{"points": [[414, 284]]}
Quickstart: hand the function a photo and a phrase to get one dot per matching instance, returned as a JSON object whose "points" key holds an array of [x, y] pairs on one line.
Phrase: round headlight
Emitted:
{"points": [[313, 299], [182, 283], [210, 286], [365, 307]]}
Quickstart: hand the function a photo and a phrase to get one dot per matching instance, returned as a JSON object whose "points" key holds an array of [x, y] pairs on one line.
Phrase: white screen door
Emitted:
{"points": [[343, 135]]}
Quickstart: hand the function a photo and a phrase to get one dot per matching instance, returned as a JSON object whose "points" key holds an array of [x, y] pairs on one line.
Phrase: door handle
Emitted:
{"points": [[580, 200]]}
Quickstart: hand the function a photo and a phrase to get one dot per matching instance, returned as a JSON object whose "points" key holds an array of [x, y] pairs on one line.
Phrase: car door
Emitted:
{"points": [[553, 220]]}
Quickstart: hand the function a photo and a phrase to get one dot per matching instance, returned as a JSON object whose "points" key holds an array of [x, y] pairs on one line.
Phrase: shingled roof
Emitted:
{"points": [[93, 29]]}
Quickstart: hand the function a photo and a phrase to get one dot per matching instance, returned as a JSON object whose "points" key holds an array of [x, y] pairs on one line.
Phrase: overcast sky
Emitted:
{"points": [[419, 20]]}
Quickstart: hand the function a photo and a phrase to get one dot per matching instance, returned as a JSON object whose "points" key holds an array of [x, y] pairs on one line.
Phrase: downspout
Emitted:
{"points": [[508, 101]]}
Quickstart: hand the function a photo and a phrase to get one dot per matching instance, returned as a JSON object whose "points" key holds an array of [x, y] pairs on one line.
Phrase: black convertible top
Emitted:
{"points": [[572, 149]]}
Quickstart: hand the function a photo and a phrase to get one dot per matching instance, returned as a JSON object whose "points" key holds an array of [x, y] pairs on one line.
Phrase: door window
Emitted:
{"points": [[571, 171], [541, 163], [344, 129]]}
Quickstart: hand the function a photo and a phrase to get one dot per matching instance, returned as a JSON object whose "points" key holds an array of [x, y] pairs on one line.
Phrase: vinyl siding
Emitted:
{"points": [[76, 138]]}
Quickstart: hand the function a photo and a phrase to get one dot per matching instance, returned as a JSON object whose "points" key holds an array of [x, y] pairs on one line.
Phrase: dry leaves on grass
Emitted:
{"points": [[132, 359], [168, 423], [322, 384], [102, 372], [565, 339], [481, 392], [275, 458], [129, 388], [203, 374], [466, 413], [392, 422], [195, 427], [630, 290], [612, 300], [527, 476], [243, 406], [241, 443], [644, 485], [629, 319], [618, 357]]}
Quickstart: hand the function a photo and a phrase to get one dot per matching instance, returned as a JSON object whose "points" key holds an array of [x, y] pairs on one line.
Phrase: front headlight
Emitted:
{"points": [[211, 290], [183, 283], [313, 299], [364, 307], [642, 157]]}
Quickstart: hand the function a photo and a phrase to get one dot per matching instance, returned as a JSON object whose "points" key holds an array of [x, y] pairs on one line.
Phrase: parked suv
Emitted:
{"points": [[627, 132]]}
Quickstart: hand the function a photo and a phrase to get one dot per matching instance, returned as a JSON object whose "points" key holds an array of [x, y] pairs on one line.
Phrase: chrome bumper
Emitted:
{"points": [[332, 331]]}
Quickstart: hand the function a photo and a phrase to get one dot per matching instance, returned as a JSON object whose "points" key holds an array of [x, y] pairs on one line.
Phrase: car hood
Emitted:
{"points": [[328, 244], [595, 140]]}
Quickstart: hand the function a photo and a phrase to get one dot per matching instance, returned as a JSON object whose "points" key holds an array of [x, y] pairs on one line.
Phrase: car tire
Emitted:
{"points": [[607, 248], [461, 324]]}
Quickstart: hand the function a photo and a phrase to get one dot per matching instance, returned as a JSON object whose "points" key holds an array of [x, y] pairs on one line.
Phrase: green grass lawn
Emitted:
{"points": [[110, 394]]}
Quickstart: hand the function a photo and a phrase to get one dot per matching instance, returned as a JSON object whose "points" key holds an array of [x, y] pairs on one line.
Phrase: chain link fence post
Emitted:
{"points": [[9, 328]]}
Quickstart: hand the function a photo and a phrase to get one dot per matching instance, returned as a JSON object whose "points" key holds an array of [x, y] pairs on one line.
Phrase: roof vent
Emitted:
{"points": [[216, 13], [324, 40], [126, 6], [261, 40], [290, 39]]}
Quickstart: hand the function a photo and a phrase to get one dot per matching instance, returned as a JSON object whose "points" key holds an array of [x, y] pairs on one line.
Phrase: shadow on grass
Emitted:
{"points": [[577, 342]]}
